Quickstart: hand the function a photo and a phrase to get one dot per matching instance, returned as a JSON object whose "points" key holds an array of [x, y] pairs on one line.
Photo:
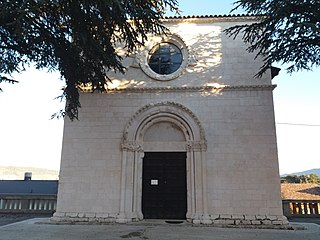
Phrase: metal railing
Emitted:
{"points": [[301, 208], [27, 203]]}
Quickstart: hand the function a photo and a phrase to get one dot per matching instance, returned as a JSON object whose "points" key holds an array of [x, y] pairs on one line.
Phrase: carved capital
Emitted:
{"points": [[196, 146], [131, 146]]}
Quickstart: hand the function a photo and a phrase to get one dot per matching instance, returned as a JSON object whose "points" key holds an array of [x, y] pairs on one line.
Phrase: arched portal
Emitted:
{"points": [[163, 127]]}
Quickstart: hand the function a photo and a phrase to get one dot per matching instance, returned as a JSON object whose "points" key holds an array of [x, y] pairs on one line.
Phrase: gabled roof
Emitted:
{"points": [[36, 187]]}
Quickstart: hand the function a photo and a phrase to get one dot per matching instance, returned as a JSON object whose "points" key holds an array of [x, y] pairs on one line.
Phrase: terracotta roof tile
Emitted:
{"points": [[303, 191], [210, 16]]}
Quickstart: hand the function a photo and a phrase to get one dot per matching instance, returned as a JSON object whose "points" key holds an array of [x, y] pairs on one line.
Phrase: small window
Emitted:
{"points": [[165, 58]]}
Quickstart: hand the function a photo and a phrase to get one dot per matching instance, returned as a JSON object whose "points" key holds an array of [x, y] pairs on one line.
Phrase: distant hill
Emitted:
{"points": [[17, 173], [314, 171]]}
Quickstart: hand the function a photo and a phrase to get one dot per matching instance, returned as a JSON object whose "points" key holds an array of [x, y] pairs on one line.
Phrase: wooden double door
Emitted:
{"points": [[164, 185]]}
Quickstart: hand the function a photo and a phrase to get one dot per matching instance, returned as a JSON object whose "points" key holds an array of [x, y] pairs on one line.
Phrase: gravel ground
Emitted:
{"points": [[33, 229], [12, 218], [306, 220]]}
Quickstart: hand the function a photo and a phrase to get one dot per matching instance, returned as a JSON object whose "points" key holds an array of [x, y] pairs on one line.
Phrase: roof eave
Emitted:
{"points": [[213, 18]]}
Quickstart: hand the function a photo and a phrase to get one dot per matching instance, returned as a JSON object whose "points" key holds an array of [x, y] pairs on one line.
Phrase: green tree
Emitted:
{"points": [[78, 38], [292, 179], [309, 178], [312, 178], [286, 31]]}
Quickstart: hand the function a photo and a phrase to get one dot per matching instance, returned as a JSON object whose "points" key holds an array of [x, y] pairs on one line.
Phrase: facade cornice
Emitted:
{"points": [[188, 89]]}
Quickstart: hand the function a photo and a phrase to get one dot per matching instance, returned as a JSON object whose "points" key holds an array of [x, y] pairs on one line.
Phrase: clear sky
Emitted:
{"points": [[29, 138]]}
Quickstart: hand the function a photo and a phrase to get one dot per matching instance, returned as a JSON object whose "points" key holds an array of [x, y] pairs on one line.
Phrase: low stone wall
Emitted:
{"points": [[244, 220], [84, 217], [257, 221]]}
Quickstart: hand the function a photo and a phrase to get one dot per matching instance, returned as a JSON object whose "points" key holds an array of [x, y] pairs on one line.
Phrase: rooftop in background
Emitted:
{"points": [[36, 187], [300, 191]]}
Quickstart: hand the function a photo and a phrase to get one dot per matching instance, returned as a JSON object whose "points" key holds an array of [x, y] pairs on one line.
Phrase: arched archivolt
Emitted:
{"points": [[173, 112], [193, 143]]}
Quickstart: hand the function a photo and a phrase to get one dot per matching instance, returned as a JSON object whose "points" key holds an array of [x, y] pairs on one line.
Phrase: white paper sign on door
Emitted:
{"points": [[154, 181]]}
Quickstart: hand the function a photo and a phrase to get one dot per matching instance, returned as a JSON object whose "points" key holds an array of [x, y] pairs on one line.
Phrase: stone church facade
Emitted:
{"points": [[186, 133]]}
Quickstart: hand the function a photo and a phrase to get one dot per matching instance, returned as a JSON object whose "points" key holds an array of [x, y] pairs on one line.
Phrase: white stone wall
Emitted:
{"points": [[242, 154], [241, 174], [217, 59]]}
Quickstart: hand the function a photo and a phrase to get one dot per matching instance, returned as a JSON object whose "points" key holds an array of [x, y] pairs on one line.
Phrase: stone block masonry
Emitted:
{"points": [[211, 109]]}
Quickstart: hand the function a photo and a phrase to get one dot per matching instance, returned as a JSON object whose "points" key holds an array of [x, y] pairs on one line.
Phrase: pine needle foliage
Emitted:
{"points": [[286, 31], [78, 38]]}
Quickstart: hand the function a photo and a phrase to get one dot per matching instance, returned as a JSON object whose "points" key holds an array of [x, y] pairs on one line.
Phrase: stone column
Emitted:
{"points": [[197, 183], [129, 182], [190, 185], [137, 185]]}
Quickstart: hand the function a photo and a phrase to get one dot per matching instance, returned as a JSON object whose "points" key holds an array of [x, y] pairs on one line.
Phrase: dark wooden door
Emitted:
{"points": [[164, 187]]}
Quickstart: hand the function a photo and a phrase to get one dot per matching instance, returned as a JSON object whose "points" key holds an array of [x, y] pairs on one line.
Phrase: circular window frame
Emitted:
{"points": [[165, 58], [145, 54]]}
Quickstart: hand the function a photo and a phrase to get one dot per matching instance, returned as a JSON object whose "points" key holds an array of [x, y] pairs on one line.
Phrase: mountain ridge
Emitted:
{"points": [[17, 173], [306, 172]]}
